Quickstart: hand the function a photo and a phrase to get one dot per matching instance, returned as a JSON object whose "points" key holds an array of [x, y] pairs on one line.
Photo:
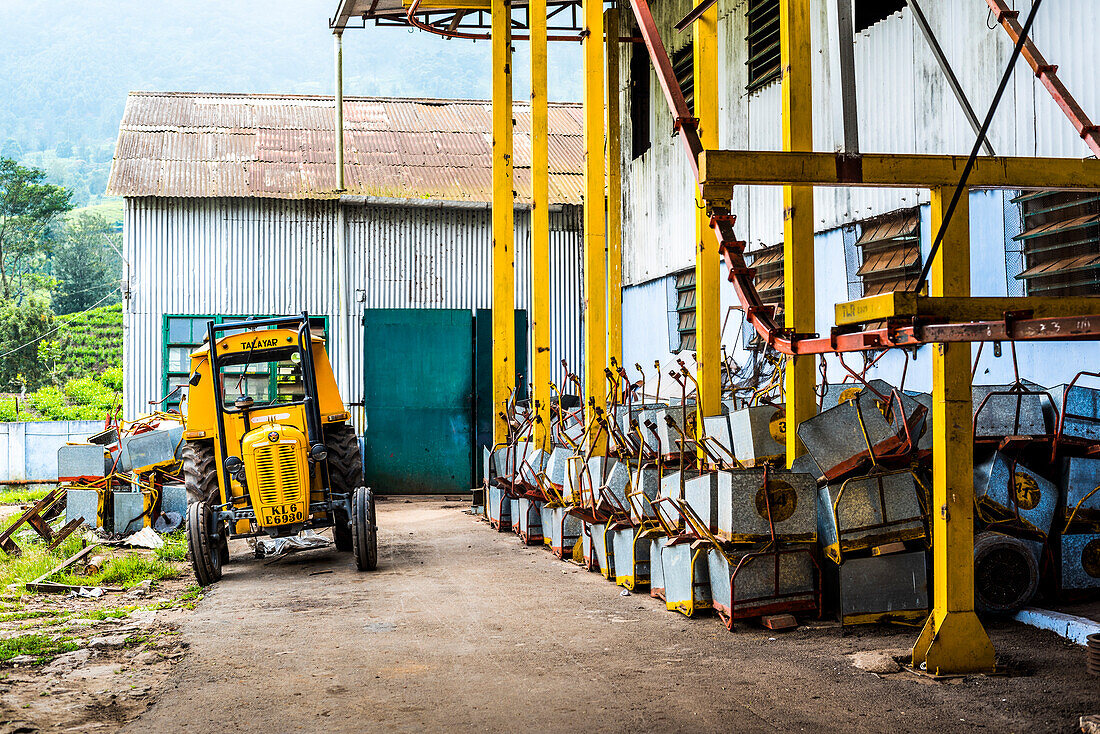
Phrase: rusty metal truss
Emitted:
{"points": [[1018, 321]]}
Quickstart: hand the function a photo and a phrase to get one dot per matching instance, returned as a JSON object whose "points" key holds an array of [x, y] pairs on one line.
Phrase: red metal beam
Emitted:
{"points": [[1048, 75]]}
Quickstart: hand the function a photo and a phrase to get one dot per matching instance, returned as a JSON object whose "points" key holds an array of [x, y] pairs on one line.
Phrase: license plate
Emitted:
{"points": [[282, 514]]}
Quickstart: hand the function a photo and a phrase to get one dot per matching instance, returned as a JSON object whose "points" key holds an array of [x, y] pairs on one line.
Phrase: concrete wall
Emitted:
{"points": [[28, 451]]}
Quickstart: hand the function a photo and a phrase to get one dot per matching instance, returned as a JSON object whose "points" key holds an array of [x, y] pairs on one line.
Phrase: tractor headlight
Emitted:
{"points": [[319, 452], [233, 464]]}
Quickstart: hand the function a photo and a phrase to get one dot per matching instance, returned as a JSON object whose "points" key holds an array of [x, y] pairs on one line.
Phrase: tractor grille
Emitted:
{"points": [[277, 470]]}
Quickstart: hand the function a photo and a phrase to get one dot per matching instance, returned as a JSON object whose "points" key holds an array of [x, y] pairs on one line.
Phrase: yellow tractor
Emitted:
{"points": [[268, 449]]}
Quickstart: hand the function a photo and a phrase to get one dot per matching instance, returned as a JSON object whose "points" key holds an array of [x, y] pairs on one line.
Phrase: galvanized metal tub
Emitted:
{"points": [[603, 548], [746, 584], [564, 530], [1008, 489], [1080, 477], [891, 588], [530, 521], [747, 511], [759, 433], [862, 512], [499, 507], [686, 577], [656, 567], [631, 551], [840, 438], [1081, 561]]}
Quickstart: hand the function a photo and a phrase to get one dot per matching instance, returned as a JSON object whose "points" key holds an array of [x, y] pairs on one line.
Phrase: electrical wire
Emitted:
{"points": [[58, 327], [977, 147]]}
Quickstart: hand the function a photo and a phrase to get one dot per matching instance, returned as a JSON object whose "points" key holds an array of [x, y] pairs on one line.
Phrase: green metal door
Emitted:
{"points": [[419, 401]]}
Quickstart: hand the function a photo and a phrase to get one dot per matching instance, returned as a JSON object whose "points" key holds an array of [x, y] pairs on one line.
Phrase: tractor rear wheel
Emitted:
{"points": [[207, 551], [364, 533], [200, 476], [345, 471]]}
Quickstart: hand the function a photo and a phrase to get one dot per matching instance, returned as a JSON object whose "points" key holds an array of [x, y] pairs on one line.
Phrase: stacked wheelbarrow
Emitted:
{"points": [[866, 453]]}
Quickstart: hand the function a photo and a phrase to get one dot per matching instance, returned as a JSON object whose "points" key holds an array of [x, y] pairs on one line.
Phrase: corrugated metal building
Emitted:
{"points": [[231, 210], [904, 106]]}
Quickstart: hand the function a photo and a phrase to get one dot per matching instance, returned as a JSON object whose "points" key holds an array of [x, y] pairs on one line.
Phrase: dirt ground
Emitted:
{"points": [[108, 679], [461, 628]]}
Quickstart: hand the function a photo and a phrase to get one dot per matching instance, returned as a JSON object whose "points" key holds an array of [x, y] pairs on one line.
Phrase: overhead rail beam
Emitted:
{"points": [[1047, 73]]}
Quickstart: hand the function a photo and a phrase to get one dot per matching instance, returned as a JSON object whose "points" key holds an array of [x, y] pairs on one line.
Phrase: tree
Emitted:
{"points": [[22, 327], [85, 264], [28, 210]]}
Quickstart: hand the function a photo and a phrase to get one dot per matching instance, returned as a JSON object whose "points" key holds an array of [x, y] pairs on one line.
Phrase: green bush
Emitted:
{"points": [[112, 378], [7, 410]]}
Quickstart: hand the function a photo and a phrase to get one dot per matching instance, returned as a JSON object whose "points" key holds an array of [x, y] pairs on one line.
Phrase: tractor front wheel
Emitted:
{"points": [[207, 545], [364, 532]]}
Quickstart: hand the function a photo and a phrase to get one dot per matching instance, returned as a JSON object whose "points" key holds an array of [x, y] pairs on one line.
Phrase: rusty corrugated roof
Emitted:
{"points": [[176, 144]]}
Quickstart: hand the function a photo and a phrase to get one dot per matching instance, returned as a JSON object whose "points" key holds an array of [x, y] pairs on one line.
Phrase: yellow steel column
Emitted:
{"points": [[541, 373], [953, 640], [504, 334], [614, 194], [595, 253], [798, 215], [708, 319]]}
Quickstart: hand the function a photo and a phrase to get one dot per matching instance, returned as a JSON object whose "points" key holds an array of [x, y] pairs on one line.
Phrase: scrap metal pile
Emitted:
{"points": [[127, 476], [708, 517]]}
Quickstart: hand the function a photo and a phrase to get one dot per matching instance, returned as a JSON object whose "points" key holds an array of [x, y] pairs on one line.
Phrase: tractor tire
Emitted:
{"points": [[345, 463], [205, 550], [1006, 573], [345, 471], [341, 532], [364, 533], [200, 474]]}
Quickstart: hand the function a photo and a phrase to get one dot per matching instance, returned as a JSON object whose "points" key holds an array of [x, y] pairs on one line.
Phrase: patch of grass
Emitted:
{"points": [[174, 548], [21, 495], [124, 571], [34, 562], [31, 614], [40, 646], [101, 614]]}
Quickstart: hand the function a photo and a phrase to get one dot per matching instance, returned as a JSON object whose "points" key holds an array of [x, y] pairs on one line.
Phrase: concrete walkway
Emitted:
{"points": [[463, 629]]}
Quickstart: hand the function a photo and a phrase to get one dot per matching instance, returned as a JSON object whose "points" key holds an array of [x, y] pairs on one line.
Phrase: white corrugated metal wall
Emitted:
{"points": [[267, 256], [905, 106]]}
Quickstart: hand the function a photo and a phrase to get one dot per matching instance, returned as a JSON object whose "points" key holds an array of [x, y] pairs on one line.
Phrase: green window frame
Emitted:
{"points": [[181, 334]]}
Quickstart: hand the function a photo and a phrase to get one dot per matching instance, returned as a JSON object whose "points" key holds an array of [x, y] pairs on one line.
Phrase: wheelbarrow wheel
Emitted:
{"points": [[364, 533], [205, 549]]}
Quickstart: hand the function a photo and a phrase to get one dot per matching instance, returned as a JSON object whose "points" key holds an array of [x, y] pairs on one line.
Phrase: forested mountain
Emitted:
{"points": [[66, 69]]}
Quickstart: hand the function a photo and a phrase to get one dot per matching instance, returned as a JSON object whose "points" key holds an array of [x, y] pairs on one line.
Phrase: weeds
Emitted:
{"points": [[174, 548], [21, 495], [42, 647]]}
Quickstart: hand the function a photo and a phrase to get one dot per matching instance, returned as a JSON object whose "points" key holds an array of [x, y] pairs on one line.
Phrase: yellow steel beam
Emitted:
{"points": [[595, 255], [504, 275], [953, 640], [708, 320], [541, 369], [614, 193], [906, 304], [721, 169], [798, 216]]}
